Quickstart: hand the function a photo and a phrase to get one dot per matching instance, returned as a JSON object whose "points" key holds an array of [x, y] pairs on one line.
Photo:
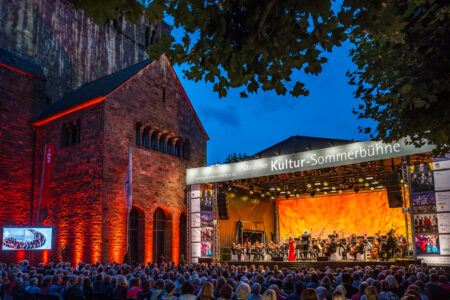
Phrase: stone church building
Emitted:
{"points": [[93, 94]]}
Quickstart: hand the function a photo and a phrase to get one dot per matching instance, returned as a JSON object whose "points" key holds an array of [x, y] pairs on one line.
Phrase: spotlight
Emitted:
{"points": [[356, 189], [308, 185], [272, 189], [366, 184], [325, 188], [317, 183], [278, 189], [267, 193], [333, 188], [273, 198], [318, 190], [401, 180], [340, 191], [325, 183], [369, 178], [251, 192], [374, 182], [360, 179], [372, 188], [312, 193], [262, 195], [297, 195], [325, 193], [379, 187]]}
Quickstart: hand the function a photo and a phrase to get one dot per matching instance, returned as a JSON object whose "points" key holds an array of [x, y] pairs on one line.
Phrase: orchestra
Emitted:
{"points": [[336, 247]]}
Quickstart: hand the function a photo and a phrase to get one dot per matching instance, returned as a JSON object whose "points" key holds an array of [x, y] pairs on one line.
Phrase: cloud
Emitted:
{"points": [[224, 116]]}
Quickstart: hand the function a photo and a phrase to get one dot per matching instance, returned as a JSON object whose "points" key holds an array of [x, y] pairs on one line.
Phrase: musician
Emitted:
{"points": [[403, 245], [335, 235], [305, 238], [237, 250], [391, 244]]}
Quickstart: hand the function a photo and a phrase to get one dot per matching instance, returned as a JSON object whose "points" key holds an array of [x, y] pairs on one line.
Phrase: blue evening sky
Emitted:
{"points": [[248, 125]]}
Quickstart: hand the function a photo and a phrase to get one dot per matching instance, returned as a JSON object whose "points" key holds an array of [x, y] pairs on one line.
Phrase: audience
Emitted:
{"points": [[222, 282]]}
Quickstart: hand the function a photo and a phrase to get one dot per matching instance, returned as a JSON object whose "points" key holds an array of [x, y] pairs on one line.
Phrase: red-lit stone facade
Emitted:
{"points": [[88, 210]]}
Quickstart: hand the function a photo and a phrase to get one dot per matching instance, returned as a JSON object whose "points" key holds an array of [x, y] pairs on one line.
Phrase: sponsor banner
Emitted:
{"points": [[442, 180], [435, 260], [196, 249], [195, 220], [444, 164], [444, 222], [445, 244], [309, 160], [443, 201]]}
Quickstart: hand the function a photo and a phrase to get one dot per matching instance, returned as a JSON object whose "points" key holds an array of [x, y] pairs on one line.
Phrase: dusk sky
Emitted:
{"points": [[248, 125]]}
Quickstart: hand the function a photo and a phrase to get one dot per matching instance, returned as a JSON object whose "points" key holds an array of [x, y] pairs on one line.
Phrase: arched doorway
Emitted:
{"points": [[136, 234], [162, 234], [183, 236]]}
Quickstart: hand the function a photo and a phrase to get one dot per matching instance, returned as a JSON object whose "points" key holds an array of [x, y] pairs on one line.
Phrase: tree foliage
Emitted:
{"points": [[400, 51], [402, 57], [235, 157]]}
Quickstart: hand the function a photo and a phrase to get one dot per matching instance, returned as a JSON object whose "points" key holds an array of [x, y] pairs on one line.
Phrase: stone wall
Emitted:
{"points": [[75, 187], [19, 95], [158, 178], [68, 45]]}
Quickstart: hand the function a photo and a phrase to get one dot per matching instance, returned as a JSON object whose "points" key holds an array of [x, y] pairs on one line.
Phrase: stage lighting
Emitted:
{"points": [[340, 191], [401, 180], [312, 193], [272, 189], [278, 189], [262, 195], [333, 188], [379, 187], [366, 184], [325, 188], [297, 195], [374, 182], [273, 198], [267, 193], [325, 183], [325, 193], [360, 179], [317, 183], [318, 189], [251, 192], [356, 189], [369, 178], [371, 188], [308, 185]]}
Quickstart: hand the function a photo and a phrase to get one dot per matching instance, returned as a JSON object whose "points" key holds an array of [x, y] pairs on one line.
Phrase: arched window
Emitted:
{"points": [[178, 149], [138, 133], [65, 135], [183, 237], [146, 137], [154, 140], [75, 136], [187, 150], [70, 134], [162, 143], [136, 234], [170, 146], [162, 234]]}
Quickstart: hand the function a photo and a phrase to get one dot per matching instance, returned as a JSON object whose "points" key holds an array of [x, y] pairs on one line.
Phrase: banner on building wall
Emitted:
{"points": [[44, 197], [128, 182]]}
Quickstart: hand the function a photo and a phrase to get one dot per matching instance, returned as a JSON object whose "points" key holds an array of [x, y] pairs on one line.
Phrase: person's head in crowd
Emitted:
{"points": [[146, 286], [169, 287], [325, 282], [299, 287], [207, 291], [321, 293], [347, 279], [243, 291], [371, 293], [256, 288], [275, 288], [309, 294], [226, 292], [338, 295], [121, 281], [377, 285], [187, 288], [269, 294], [33, 281], [73, 281]]}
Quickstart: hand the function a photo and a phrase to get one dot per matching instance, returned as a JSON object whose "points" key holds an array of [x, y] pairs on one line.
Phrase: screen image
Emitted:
{"points": [[423, 199], [27, 238], [427, 244], [206, 219], [207, 233], [422, 182], [421, 167], [362, 213], [206, 200], [206, 249], [427, 223]]}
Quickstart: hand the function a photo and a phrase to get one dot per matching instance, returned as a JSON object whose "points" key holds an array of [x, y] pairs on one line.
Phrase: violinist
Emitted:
{"points": [[305, 240]]}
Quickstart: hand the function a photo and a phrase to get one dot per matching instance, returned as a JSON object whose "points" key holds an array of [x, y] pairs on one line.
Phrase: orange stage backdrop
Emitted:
{"points": [[354, 213]]}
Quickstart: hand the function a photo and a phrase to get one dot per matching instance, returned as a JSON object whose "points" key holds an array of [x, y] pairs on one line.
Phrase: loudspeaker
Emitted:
{"points": [[222, 206], [322, 258], [394, 190]]}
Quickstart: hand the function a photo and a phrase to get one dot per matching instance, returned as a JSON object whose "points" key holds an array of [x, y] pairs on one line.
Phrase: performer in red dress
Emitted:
{"points": [[291, 249]]}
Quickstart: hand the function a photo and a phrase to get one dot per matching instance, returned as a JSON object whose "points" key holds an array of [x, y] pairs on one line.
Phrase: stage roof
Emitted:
{"points": [[330, 157]]}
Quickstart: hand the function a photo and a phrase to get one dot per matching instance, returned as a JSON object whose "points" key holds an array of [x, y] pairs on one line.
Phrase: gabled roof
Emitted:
{"points": [[296, 144], [97, 91], [93, 90], [20, 63]]}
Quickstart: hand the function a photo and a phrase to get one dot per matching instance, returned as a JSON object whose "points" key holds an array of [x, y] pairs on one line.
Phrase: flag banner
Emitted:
{"points": [[129, 182], [44, 197]]}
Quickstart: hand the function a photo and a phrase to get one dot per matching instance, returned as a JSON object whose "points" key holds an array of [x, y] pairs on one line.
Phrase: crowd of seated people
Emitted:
{"points": [[61, 281]]}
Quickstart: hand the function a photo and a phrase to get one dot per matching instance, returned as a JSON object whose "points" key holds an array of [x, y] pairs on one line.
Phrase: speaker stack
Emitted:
{"points": [[394, 190], [222, 206]]}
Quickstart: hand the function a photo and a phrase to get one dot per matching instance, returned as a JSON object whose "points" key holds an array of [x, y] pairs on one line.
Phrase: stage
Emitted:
{"points": [[323, 264]]}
